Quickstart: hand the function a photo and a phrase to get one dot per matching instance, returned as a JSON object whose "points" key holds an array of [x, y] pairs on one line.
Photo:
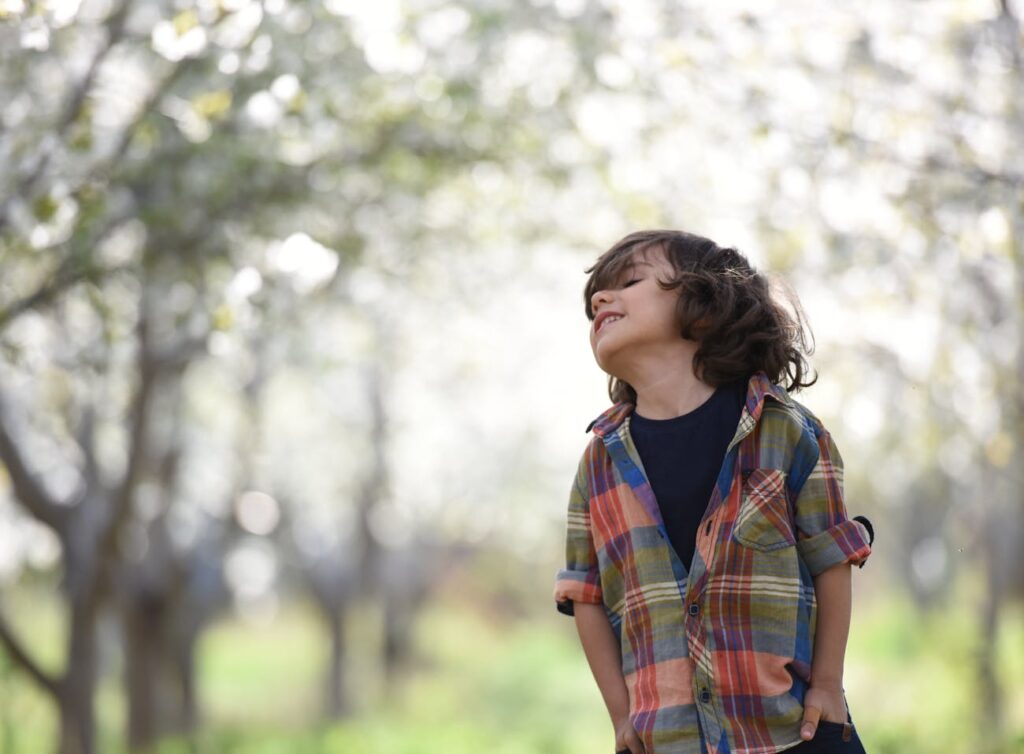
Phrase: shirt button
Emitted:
{"points": [[694, 608], [705, 696]]}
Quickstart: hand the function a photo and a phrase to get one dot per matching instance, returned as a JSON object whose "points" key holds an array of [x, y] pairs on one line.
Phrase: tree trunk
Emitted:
{"points": [[185, 664], [337, 700], [160, 633], [78, 687], [399, 616], [144, 671], [991, 695]]}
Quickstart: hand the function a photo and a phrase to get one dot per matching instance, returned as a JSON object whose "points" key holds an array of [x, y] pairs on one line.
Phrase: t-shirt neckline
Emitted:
{"points": [[676, 420]]}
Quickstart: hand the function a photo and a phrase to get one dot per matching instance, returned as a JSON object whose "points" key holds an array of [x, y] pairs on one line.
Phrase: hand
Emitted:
{"points": [[626, 738], [822, 703]]}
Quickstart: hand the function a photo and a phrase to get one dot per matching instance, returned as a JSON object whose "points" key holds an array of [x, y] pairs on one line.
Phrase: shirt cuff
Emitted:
{"points": [[576, 586], [848, 541]]}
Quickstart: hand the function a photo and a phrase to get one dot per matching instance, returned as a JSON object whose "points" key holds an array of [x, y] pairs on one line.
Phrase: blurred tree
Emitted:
{"points": [[173, 187], [869, 153], [90, 525], [245, 111]]}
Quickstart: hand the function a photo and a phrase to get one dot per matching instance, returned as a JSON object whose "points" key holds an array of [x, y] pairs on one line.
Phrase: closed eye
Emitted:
{"points": [[632, 282]]}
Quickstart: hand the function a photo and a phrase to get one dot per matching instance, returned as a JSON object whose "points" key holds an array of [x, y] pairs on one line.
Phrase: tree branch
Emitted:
{"points": [[73, 270], [72, 109], [107, 170], [28, 490], [107, 550], [115, 31], [932, 162], [85, 436], [26, 663], [65, 276]]}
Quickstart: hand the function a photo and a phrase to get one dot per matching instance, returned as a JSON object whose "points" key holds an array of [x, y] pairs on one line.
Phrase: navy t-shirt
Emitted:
{"points": [[682, 457]]}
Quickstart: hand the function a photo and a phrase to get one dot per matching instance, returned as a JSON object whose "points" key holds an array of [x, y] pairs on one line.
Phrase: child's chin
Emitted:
{"points": [[605, 356]]}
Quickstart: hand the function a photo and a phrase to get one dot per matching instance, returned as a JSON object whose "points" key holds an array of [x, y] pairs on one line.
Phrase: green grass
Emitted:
{"points": [[487, 679], [911, 679]]}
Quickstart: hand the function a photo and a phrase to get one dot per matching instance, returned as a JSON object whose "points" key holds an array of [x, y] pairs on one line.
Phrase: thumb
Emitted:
{"points": [[810, 723], [636, 746]]}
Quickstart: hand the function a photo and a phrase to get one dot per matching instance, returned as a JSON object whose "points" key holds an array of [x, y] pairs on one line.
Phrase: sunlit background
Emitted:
{"points": [[294, 371]]}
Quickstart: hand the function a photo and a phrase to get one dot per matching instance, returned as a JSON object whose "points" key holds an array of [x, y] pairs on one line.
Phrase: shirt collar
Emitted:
{"points": [[759, 387]]}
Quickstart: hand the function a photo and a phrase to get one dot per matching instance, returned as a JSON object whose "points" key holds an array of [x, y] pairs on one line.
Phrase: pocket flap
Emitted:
{"points": [[764, 521]]}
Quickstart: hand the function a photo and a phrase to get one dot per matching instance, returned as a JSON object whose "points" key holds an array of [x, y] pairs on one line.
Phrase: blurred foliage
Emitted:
{"points": [[483, 681]]}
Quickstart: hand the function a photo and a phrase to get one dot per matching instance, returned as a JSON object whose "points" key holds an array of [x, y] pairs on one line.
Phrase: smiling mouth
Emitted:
{"points": [[607, 321]]}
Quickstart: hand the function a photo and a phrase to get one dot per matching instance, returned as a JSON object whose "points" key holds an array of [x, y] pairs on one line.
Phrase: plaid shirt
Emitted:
{"points": [[716, 658]]}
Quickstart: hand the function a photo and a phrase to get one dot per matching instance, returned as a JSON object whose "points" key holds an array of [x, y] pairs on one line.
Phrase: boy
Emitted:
{"points": [[708, 547]]}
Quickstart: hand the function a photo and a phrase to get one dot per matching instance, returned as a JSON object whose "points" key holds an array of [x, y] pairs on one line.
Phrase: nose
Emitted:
{"points": [[599, 297]]}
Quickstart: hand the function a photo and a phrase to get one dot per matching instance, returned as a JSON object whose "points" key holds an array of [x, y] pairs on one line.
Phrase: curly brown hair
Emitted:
{"points": [[724, 304]]}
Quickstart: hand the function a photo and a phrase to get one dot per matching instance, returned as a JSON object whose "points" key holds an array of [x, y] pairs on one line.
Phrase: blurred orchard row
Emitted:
{"points": [[290, 310]]}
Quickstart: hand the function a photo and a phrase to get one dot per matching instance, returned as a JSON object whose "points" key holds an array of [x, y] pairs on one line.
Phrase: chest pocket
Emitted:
{"points": [[763, 521]]}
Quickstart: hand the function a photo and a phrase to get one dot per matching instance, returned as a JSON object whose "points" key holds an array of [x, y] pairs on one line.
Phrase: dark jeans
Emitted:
{"points": [[828, 739]]}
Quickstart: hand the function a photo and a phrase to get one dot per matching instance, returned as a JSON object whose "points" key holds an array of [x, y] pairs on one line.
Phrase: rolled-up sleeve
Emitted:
{"points": [[580, 580], [826, 535]]}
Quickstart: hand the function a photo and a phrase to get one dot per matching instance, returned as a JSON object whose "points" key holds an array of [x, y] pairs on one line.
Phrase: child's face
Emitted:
{"points": [[634, 317]]}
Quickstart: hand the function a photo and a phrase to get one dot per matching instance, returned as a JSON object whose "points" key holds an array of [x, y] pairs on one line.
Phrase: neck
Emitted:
{"points": [[666, 387]]}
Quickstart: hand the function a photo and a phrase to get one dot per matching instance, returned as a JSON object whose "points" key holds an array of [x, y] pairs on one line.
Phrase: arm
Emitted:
{"points": [[825, 698], [604, 656], [605, 659], [578, 592], [829, 543], [832, 589]]}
